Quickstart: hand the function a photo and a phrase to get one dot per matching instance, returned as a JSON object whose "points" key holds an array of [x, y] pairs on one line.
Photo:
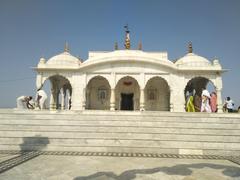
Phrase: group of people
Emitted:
{"points": [[194, 103], [26, 102], [205, 103]]}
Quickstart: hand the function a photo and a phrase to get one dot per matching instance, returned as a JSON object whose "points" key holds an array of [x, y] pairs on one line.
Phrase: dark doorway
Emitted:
{"points": [[127, 101]]}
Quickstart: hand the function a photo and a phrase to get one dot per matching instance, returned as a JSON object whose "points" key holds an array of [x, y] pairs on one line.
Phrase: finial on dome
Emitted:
{"points": [[190, 49], [42, 60], [66, 47], [140, 45], [216, 61], [116, 46], [127, 43]]}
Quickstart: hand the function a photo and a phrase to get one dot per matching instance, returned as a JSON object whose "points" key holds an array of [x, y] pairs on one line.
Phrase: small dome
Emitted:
{"points": [[192, 60], [64, 59]]}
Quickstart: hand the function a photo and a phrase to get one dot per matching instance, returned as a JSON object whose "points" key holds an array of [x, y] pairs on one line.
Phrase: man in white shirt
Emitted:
{"points": [[229, 104], [41, 99]]}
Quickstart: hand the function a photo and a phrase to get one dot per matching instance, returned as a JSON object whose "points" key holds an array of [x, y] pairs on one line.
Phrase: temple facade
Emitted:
{"points": [[127, 79]]}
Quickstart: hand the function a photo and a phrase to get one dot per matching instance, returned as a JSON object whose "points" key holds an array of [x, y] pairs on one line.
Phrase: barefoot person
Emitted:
{"points": [[41, 99], [23, 102]]}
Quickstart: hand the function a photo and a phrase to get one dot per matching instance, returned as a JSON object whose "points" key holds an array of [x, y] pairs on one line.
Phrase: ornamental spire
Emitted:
{"points": [[127, 43], [190, 48], [66, 47]]}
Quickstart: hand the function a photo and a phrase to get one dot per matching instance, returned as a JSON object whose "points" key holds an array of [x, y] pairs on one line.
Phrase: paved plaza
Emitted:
{"points": [[85, 167]]}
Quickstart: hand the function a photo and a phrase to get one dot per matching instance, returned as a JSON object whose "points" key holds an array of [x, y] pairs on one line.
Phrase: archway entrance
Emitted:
{"points": [[60, 93], [126, 101], [98, 94], [127, 94], [157, 95], [195, 87]]}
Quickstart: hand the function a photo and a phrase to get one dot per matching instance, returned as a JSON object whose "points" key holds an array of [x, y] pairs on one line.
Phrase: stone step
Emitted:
{"points": [[106, 131], [114, 114], [98, 129], [10, 135], [45, 142], [115, 150], [139, 119], [122, 123], [86, 149]]}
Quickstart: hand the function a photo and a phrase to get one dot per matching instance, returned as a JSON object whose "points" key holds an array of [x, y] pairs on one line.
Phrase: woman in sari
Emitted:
{"points": [[213, 102], [190, 105], [197, 101]]}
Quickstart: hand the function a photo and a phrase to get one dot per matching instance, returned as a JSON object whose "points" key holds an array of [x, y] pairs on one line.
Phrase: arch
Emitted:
{"points": [[136, 77], [157, 94], [165, 78], [194, 87], [198, 83], [92, 76], [98, 92], [60, 92], [127, 94], [47, 76]]}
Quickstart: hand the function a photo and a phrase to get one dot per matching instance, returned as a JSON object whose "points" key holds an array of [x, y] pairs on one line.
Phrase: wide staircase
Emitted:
{"points": [[124, 132]]}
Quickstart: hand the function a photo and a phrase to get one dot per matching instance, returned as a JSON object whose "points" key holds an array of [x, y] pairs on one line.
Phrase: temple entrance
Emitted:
{"points": [[127, 94], [194, 88], [60, 91], [126, 101]]}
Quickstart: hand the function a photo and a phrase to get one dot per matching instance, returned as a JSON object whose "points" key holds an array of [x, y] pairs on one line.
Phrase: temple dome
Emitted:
{"points": [[64, 59], [193, 60]]}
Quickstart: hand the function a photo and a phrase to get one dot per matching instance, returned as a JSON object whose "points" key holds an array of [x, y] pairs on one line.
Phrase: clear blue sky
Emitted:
{"points": [[31, 29]]}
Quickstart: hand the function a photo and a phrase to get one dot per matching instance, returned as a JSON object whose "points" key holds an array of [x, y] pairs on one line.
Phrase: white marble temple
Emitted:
{"points": [[127, 80]]}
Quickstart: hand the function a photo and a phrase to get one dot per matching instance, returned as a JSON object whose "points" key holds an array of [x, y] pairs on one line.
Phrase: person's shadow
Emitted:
{"points": [[35, 143], [30, 148]]}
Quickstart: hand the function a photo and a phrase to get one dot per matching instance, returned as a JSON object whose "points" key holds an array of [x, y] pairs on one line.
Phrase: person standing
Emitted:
{"points": [[197, 101], [229, 104], [41, 99], [190, 105], [205, 107], [213, 102]]}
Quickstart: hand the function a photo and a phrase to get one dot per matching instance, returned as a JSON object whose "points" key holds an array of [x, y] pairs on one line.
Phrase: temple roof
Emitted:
{"points": [[63, 59], [193, 60]]}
